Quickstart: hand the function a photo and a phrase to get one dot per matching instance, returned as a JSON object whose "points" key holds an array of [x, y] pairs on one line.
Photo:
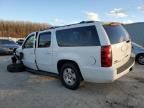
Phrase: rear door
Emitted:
{"points": [[120, 43], [28, 51], [44, 51]]}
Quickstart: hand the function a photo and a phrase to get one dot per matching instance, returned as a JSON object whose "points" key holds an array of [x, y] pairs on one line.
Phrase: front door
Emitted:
{"points": [[44, 51], [28, 51]]}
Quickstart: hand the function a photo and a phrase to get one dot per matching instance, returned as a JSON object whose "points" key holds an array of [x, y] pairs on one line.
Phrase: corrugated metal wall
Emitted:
{"points": [[136, 30]]}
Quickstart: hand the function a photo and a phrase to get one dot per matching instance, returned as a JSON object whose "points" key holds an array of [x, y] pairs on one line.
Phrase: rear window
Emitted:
{"points": [[116, 33], [80, 36]]}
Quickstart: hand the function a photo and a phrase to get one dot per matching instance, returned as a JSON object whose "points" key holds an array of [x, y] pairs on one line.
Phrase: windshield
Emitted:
{"points": [[7, 42], [116, 33]]}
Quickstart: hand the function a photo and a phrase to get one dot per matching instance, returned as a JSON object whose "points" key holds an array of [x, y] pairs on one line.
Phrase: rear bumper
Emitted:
{"points": [[106, 75], [125, 68]]}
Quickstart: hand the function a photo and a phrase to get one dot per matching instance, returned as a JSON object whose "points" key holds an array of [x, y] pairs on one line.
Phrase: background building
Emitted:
{"points": [[136, 30]]}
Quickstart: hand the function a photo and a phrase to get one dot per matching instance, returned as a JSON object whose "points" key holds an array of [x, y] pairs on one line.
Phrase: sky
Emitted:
{"points": [[61, 12]]}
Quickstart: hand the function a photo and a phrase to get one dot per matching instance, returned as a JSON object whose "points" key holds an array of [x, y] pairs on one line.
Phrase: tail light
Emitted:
{"points": [[106, 56]]}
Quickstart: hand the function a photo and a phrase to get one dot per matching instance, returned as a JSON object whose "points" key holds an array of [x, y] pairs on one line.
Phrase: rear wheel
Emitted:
{"points": [[70, 76], [140, 59]]}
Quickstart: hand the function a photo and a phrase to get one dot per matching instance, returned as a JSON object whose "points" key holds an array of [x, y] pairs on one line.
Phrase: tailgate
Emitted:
{"points": [[121, 53], [120, 43]]}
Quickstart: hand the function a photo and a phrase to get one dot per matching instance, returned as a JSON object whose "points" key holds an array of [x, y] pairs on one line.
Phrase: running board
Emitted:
{"points": [[39, 72]]}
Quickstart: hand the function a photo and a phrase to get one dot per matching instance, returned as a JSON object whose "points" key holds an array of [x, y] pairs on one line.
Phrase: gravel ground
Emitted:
{"points": [[25, 90]]}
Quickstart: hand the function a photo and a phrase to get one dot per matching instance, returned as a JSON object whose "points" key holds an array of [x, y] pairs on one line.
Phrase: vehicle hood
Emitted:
{"points": [[137, 46], [137, 49]]}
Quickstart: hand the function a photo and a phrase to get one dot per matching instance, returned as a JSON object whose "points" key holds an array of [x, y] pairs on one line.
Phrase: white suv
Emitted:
{"points": [[89, 51]]}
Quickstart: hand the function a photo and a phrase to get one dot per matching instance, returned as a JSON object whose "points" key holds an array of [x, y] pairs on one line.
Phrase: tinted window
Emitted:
{"points": [[81, 36], [44, 40], [116, 33], [29, 42]]}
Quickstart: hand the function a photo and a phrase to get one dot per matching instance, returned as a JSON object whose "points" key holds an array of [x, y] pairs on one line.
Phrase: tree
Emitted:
{"points": [[19, 29]]}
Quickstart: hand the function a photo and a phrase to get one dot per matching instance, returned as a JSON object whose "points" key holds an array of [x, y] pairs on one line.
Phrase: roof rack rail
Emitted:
{"points": [[53, 27], [87, 22], [75, 24]]}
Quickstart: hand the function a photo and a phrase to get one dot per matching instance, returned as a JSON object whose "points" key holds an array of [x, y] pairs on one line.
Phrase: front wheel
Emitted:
{"points": [[70, 76], [16, 67], [140, 59]]}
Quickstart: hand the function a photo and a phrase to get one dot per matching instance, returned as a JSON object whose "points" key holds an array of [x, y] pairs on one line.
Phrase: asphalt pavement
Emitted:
{"points": [[26, 90]]}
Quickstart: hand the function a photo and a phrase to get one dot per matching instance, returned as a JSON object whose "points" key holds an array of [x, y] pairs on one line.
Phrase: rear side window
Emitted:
{"points": [[44, 40], [116, 33], [81, 36]]}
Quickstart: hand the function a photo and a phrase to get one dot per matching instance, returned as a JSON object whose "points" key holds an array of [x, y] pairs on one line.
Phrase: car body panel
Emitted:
{"points": [[137, 49], [7, 46], [29, 54], [44, 55], [88, 58]]}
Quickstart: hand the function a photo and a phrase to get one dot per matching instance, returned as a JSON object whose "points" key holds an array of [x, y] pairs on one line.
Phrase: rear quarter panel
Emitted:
{"points": [[85, 56]]}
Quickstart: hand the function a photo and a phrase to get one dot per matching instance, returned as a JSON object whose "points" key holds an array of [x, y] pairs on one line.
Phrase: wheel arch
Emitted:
{"points": [[61, 62]]}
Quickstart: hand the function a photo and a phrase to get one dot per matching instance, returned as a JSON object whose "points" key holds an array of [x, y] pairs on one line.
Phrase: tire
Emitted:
{"points": [[15, 68], [71, 80], [140, 59]]}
